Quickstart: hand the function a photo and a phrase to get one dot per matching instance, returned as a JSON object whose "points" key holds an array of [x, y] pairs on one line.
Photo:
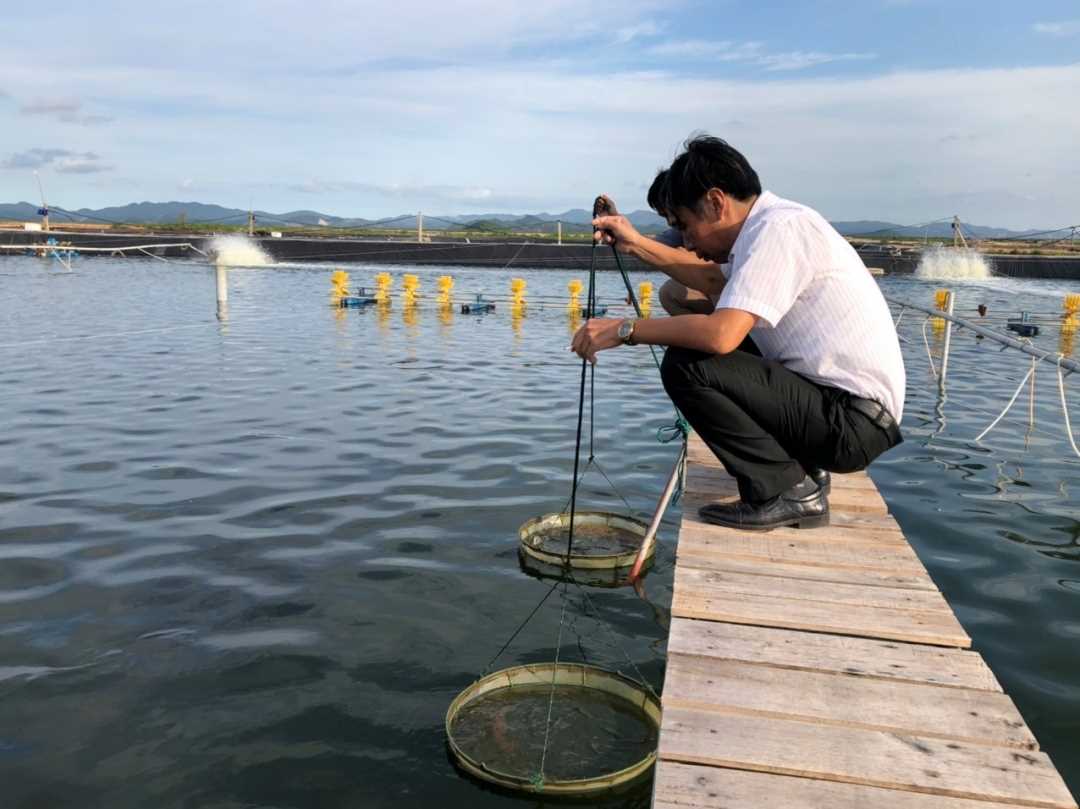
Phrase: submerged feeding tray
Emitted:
{"points": [[477, 307], [557, 728], [1022, 325], [602, 540], [360, 299]]}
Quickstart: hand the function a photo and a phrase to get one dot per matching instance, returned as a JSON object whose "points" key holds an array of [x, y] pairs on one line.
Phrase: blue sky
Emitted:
{"points": [[906, 110]]}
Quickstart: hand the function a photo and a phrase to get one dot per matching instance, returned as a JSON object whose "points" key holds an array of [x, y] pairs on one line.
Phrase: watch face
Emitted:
{"points": [[624, 329]]}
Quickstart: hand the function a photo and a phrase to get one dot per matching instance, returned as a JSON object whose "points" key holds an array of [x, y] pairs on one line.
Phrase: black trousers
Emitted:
{"points": [[766, 424]]}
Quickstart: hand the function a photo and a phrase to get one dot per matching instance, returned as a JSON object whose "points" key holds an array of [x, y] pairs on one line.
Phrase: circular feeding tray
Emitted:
{"points": [[602, 540], [559, 728]]}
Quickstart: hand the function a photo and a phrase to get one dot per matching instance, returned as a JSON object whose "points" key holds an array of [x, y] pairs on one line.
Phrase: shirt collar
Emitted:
{"points": [[765, 200]]}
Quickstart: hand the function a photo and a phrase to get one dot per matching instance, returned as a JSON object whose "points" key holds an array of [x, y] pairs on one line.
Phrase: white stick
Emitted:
{"points": [[661, 509]]}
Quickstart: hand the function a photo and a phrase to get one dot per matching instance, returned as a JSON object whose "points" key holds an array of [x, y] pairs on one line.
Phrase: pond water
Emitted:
{"points": [[249, 561]]}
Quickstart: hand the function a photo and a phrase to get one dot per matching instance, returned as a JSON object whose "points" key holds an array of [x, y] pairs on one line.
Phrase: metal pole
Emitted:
{"points": [[948, 338], [1045, 356], [560, 231], [44, 205], [661, 507], [420, 226], [251, 223]]}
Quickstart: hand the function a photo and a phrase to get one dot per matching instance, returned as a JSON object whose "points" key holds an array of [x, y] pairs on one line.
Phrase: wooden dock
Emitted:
{"points": [[823, 669]]}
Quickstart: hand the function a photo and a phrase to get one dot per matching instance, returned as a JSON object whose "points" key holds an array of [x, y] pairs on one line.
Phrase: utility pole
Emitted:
{"points": [[420, 226], [559, 223], [251, 223], [43, 211], [958, 239]]}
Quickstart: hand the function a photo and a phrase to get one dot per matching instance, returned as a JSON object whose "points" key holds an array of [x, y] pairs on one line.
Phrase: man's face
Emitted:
{"points": [[703, 231]]}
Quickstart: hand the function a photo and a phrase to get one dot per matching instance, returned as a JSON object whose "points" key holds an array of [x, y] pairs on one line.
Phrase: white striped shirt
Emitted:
{"points": [[820, 313]]}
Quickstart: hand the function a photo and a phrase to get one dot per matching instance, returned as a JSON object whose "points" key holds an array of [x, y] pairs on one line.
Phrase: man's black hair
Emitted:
{"points": [[708, 163], [658, 192]]}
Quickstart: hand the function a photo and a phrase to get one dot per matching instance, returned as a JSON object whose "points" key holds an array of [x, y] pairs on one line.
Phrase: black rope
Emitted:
{"points": [[590, 299], [521, 626], [633, 298]]}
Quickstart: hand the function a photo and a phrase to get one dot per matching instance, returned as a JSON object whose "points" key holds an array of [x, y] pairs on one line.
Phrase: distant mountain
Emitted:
{"points": [[936, 230], [19, 212], [575, 220]]}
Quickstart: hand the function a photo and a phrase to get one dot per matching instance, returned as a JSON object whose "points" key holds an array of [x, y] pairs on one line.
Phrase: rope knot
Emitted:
{"points": [[671, 432]]}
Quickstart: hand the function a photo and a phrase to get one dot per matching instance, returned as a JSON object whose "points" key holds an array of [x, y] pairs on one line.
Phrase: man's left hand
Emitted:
{"points": [[596, 335]]}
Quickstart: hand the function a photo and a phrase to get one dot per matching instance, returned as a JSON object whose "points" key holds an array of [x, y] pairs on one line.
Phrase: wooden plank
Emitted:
{"points": [[683, 785], [935, 628], [916, 709], [810, 549], [861, 502], [707, 583], [810, 651], [836, 531], [868, 757], [866, 526], [868, 577]]}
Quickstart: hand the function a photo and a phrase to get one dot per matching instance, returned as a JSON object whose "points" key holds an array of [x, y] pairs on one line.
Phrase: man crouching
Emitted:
{"points": [[827, 392]]}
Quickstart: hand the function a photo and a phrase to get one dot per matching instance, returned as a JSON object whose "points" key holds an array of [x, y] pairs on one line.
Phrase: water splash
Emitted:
{"points": [[961, 263], [238, 251]]}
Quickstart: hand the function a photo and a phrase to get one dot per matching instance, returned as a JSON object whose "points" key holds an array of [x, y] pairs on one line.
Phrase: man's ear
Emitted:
{"points": [[716, 202]]}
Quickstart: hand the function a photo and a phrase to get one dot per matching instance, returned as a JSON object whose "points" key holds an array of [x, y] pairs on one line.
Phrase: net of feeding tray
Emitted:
{"points": [[602, 540], [560, 728]]}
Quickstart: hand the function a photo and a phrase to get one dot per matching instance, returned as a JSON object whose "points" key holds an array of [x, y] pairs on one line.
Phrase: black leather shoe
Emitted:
{"points": [[803, 505], [822, 479]]}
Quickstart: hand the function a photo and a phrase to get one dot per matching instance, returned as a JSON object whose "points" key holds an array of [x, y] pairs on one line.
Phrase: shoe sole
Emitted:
{"points": [[819, 521]]}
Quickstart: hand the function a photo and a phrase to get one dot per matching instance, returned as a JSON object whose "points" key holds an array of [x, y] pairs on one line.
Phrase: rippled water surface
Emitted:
{"points": [[249, 561]]}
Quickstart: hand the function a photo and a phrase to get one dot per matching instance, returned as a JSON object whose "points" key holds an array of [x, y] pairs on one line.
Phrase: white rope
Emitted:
{"points": [[926, 343], [899, 317], [76, 249], [1031, 398], [993, 424], [1065, 406], [159, 258], [551, 695]]}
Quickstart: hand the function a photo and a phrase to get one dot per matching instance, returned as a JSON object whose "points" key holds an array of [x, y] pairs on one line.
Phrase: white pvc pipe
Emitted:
{"points": [[661, 508], [221, 275], [948, 338]]}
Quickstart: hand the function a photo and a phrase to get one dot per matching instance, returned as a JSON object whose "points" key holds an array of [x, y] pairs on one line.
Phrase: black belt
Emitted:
{"points": [[878, 416]]}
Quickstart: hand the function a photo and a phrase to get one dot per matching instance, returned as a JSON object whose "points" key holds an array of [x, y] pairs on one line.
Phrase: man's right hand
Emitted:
{"points": [[616, 230]]}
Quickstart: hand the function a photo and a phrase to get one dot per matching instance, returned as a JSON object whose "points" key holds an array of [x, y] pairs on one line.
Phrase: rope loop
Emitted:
{"points": [[680, 428]]}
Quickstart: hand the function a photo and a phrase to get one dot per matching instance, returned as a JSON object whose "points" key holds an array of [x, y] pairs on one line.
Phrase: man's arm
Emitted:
{"points": [[676, 262], [719, 333]]}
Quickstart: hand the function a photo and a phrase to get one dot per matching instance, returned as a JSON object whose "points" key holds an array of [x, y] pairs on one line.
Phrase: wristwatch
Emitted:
{"points": [[626, 331]]}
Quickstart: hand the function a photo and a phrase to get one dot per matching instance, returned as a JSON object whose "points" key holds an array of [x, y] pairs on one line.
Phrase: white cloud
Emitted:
{"points": [[722, 50], [64, 110], [64, 161], [800, 60], [750, 53], [645, 28], [1064, 28]]}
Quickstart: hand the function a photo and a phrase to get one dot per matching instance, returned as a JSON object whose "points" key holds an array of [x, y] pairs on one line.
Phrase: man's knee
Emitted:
{"points": [[678, 299], [684, 370], [679, 372]]}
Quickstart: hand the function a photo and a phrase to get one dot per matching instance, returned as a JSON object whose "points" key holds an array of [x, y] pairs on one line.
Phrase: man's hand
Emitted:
{"points": [[616, 230], [596, 335]]}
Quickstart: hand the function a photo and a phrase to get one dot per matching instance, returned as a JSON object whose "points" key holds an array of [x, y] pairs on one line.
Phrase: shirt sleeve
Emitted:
{"points": [[775, 270], [671, 237]]}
